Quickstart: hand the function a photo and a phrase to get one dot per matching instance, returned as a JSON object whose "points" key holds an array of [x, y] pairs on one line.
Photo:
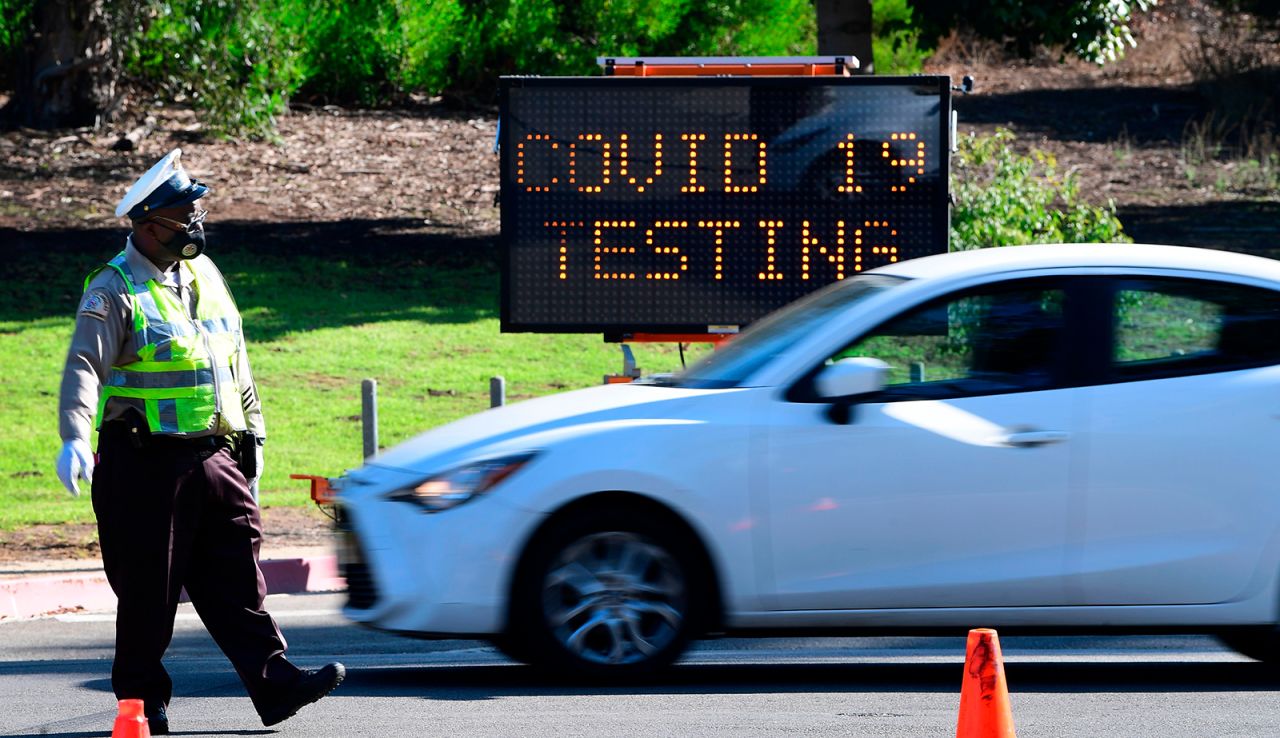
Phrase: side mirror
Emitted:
{"points": [[858, 375]]}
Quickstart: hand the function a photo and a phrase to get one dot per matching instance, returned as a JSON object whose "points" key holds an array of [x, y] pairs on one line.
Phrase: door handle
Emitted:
{"points": [[1033, 438]]}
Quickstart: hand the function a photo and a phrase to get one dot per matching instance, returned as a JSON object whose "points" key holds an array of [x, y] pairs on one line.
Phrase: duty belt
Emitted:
{"points": [[136, 431]]}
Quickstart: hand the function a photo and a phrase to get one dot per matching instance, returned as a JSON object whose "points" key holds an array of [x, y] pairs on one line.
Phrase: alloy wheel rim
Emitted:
{"points": [[614, 598]]}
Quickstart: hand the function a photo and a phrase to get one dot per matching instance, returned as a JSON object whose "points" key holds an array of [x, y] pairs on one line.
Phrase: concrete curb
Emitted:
{"points": [[59, 593]]}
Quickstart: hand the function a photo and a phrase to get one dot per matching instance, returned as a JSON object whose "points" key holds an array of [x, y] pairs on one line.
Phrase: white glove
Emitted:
{"points": [[75, 461], [253, 483]]}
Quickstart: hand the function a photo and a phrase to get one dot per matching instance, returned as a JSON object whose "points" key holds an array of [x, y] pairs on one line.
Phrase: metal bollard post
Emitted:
{"points": [[369, 416], [497, 392]]}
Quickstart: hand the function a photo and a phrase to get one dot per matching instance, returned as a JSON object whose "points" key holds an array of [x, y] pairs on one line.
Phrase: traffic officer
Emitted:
{"points": [[158, 358]]}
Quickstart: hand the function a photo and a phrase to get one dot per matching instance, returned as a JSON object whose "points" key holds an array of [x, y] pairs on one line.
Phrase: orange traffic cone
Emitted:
{"points": [[984, 696], [131, 722]]}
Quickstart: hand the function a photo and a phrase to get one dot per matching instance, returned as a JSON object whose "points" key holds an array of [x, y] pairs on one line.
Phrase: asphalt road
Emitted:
{"points": [[55, 680]]}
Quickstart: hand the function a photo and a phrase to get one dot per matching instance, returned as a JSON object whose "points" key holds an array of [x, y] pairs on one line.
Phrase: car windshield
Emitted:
{"points": [[771, 336]]}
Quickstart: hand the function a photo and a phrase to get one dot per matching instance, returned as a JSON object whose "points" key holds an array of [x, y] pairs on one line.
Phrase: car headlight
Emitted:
{"points": [[462, 484]]}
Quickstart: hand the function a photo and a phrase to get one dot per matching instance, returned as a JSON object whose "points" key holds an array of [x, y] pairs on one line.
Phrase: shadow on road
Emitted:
{"points": [[488, 682]]}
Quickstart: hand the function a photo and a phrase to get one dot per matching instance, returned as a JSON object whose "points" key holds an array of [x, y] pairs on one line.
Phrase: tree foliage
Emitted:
{"points": [[463, 45], [895, 38], [14, 16], [240, 61], [237, 62]]}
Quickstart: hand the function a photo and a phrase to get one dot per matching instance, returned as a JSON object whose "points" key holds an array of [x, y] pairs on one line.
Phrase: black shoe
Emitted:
{"points": [[310, 686], [157, 720]]}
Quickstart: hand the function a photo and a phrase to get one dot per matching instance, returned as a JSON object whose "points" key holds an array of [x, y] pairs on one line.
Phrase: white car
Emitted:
{"points": [[1052, 438]]}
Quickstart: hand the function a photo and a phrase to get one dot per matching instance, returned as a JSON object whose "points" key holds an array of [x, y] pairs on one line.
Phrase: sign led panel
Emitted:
{"points": [[695, 205]]}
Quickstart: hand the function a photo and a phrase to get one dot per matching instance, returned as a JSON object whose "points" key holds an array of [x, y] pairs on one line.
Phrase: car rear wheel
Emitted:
{"points": [[607, 594]]}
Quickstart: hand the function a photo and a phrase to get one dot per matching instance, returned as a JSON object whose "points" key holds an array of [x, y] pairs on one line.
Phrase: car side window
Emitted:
{"points": [[1003, 338], [1175, 327]]}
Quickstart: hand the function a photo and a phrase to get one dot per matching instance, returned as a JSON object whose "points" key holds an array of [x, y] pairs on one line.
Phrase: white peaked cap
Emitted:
{"points": [[165, 185]]}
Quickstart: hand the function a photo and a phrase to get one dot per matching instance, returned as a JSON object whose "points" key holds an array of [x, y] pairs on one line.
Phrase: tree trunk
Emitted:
{"points": [[844, 27], [66, 75]]}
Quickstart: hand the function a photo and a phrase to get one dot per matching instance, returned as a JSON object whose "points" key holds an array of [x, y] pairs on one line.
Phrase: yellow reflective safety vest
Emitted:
{"points": [[184, 378]]}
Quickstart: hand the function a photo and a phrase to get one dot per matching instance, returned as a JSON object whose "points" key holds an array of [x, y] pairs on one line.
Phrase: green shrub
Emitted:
{"points": [[13, 21], [238, 61], [464, 45], [895, 38], [351, 51], [436, 35], [1094, 30], [1006, 199], [14, 16]]}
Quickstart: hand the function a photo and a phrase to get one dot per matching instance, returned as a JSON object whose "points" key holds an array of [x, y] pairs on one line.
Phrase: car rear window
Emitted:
{"points": [[1173, 327]]}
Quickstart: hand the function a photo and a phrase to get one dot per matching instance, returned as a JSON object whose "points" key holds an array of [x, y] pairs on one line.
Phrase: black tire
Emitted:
{"points": [[1261, 644], [608, 593]]}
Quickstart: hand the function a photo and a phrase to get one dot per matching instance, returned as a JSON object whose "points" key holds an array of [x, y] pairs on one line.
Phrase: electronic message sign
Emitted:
{"points": [[698, 205]]}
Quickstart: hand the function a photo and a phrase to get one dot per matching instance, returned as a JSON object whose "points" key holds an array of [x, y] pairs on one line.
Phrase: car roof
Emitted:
{"points": [[1104, 255]]}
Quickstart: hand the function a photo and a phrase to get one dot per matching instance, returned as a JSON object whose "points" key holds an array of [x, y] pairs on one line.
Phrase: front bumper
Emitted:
{"points": [[443, 574]]}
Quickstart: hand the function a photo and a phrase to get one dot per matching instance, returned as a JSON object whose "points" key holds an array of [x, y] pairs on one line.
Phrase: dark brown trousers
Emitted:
{"points": [[174, 514]]}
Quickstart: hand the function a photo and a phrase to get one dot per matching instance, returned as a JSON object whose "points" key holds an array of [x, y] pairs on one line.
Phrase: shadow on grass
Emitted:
{"points": [[1142, 115], [1247, 227], [289, 276], [1138, 115], [299, 276]]}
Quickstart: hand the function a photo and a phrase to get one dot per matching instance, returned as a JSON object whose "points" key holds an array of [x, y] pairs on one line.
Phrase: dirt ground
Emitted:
{"points": [[283, 528], [1122, 129]]}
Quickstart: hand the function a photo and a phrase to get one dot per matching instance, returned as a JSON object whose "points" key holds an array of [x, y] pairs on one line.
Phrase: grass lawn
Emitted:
{"points": [[319, 319]]}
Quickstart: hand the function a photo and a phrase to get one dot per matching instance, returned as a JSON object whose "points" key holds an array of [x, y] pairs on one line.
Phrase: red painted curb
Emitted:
{"points": [[24, 598], [54, 594], [313, 574]]}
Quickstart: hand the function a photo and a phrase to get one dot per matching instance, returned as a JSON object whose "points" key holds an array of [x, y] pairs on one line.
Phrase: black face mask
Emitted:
{"points": [[186, 244]]}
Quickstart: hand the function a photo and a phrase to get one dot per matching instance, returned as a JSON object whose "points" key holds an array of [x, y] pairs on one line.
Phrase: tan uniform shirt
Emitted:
{"points": [[104, 324]]}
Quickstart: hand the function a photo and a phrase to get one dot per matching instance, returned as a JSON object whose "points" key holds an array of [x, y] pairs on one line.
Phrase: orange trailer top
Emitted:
{"points": [[713, 66]]}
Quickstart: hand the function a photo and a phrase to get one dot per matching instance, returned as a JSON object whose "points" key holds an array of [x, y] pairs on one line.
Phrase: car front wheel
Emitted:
{"points": [[608, 595]]}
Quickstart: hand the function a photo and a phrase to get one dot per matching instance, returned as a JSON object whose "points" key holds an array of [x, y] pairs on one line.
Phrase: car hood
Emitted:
{"points": [[441, 447]]}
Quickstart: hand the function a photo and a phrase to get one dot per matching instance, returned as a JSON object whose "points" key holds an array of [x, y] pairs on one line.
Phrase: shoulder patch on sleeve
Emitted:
{"points": [[95, 305]]}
